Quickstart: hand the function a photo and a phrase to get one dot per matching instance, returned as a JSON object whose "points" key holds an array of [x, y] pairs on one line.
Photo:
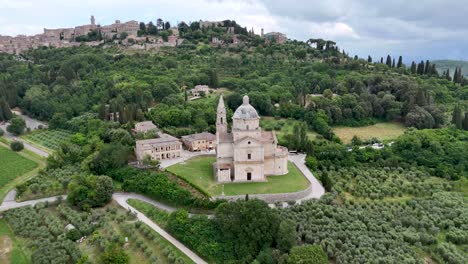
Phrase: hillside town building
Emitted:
{"points": [[199, 142], [198, 90], [277, 37], [165, 147], [65, 37], [246, 153]]}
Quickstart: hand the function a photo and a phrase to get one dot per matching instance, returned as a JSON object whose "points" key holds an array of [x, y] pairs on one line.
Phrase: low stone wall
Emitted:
{"points": [[270, 197]]}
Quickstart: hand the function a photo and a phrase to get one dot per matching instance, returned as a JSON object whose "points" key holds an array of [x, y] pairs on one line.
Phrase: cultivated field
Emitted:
{"points": [[102, 226], [199, 171], [12, 250], [50, 139], [382, 131], [282, 126], [12, 165]]}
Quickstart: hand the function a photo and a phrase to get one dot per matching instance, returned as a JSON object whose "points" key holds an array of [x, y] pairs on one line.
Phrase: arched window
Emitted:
{"points": [[247, 127], [221, 120]]}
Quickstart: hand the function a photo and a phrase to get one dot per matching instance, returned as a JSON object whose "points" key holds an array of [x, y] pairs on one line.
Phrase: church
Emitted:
{"points": [[246, 153]]}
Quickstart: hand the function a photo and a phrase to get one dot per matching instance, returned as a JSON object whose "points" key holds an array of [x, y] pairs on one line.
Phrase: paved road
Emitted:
{"points": [[32, 124], [121, 198], [317, 188], [10, 203]]}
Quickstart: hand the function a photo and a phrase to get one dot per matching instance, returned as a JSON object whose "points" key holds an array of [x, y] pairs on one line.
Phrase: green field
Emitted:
{"points": [[282, 126], [381, 131], [12, 250], [199, 171], [49, 139], [12, 165]]}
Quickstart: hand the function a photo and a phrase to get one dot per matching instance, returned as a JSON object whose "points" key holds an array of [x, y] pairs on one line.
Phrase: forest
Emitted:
{"points": [[403, 203]]}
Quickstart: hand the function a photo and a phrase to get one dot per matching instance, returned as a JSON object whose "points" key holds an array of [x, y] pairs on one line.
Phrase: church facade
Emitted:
{"points": [[246, 153]]}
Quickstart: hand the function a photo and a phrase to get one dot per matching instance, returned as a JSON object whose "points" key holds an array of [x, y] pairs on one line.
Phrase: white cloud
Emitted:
{"points": [[431, 28]]}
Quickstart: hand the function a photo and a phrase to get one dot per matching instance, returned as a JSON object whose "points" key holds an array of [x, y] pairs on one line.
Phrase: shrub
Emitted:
{"points": [[16, 146], [310, 254]]}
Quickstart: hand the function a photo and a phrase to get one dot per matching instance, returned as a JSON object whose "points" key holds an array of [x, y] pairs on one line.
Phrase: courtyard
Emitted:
{"points": [[199, 171]]}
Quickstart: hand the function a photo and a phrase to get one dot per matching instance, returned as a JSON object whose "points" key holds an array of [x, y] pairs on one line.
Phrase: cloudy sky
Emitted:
{"points": [[415, 29]]}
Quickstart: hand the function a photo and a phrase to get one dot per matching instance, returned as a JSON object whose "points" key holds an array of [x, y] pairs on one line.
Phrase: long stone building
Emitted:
{"points": [[165, 147], [246, 153]]}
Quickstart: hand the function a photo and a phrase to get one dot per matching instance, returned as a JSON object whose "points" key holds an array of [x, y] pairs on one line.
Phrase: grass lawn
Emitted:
{"points": [[50, 140], [382, 131], [282, 126], [13, 165], [199, 171], [12, 250]]}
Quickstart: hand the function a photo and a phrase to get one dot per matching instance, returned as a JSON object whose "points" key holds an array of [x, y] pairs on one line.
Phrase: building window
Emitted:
{"points": [[248, 142], [249, 156], [247, 127], [249, 176]]}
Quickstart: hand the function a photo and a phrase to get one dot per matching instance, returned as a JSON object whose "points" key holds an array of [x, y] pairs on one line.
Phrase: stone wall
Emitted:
{"points": [[270, 198]]}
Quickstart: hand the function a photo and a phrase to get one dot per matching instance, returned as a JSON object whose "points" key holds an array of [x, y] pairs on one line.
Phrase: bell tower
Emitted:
{"points": [[221, 122]]}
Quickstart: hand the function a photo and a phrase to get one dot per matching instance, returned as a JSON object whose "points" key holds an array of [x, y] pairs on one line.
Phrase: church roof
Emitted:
{"points": [[245, 111]]}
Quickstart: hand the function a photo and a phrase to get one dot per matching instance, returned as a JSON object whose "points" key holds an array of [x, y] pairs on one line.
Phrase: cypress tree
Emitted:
{"points": [[102, 111], [427, 67], [460, 76], [369, 59], [465, 122], [389, 61], [393, 63], [413, 67], [400, 62], [5, 112], [457, 118], [381, 59], [420, 69], [455, 77], [447, 75]]}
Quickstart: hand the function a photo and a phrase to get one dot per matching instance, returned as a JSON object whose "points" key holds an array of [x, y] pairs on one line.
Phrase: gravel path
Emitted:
{"points": [[317, 188], [121, 198]]}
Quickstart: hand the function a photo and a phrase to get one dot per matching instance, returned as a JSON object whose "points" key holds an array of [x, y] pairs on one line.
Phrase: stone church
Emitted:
{"points": [[246, 153]]}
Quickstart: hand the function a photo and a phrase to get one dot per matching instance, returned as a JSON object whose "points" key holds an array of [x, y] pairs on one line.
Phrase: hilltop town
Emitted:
{"points": [[131, 33]]}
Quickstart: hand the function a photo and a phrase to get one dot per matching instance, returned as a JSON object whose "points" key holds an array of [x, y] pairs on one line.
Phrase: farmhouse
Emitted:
{"points": [[246, 153], [200, 141], [198, 90], [165, 147]]}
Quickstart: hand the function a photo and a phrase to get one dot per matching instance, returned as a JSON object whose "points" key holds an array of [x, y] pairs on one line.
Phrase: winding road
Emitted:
{"points": [[122, 198]]}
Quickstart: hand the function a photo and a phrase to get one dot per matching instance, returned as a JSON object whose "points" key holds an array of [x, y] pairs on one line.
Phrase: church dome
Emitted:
{"points": [[245, 111]]}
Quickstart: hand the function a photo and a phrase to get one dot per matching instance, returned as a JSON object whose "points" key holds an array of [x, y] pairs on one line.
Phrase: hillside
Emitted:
{"points": [[443, 65]]}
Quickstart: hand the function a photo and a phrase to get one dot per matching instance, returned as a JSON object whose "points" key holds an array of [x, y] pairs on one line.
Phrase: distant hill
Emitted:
{"points": [[443, 65]]}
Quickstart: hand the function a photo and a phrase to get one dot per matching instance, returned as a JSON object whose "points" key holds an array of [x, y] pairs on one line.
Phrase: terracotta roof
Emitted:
{"points": [[161, 140], [200, 136], [268, 136]]}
